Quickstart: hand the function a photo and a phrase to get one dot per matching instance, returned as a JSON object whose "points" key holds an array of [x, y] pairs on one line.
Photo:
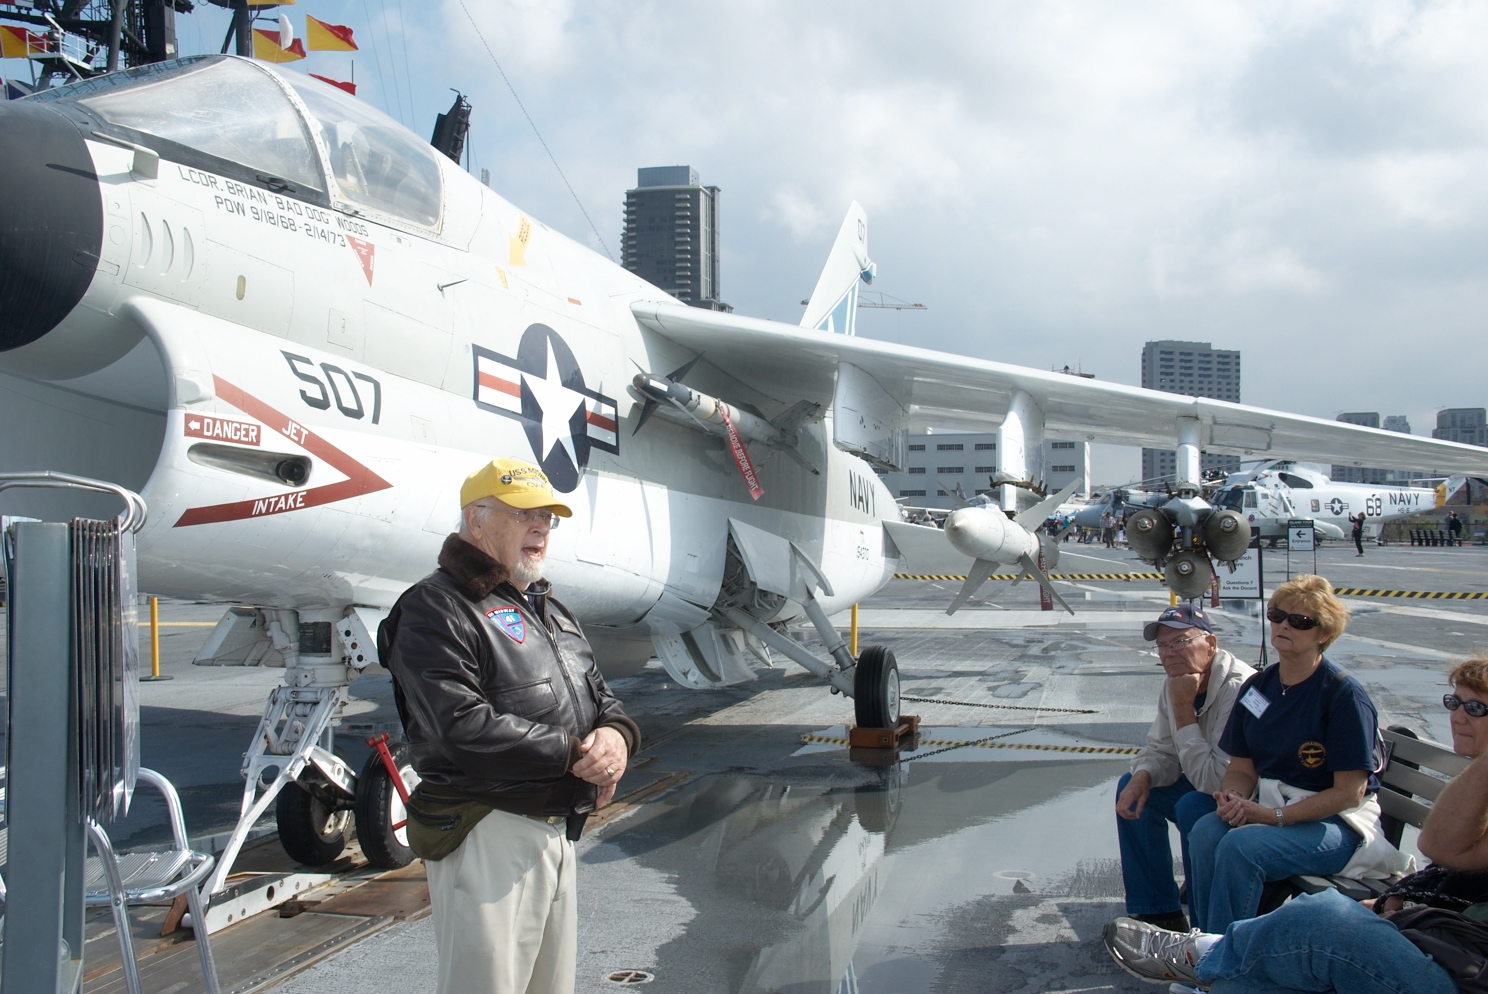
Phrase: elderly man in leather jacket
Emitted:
{"points": [[516, 738]]}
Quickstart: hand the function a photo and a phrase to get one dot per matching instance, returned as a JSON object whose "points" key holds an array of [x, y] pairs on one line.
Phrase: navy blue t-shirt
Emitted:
{"points": [[1292, 741]]}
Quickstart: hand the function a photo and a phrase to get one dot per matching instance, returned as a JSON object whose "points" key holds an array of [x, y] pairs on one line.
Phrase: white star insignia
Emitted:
{"points": [[558, 405]]}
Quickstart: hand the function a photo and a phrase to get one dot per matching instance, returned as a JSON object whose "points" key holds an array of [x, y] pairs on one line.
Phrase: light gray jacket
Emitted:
{"points": [[1193, 750]]}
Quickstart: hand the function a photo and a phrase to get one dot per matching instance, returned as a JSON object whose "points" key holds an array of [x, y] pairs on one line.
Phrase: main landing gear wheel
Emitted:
{"points": [[379, 807], [876, 688], [313, 826]]}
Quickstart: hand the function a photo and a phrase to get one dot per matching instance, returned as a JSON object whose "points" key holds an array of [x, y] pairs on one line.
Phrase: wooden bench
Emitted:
{"points": [[1417, 771]]}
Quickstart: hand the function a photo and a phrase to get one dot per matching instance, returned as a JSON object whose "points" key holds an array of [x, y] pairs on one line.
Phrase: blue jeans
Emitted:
{"points": [[1320, 942], [1146, 854], [1231, 865]]}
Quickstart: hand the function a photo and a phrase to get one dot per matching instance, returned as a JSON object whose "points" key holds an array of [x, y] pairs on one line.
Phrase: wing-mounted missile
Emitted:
{"points": [[676, 401], [649, 403], [993, 539]]}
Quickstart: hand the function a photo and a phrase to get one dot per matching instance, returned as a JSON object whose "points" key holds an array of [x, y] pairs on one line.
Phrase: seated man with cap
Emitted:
{"points": [[515, 735], [1174, 776]]}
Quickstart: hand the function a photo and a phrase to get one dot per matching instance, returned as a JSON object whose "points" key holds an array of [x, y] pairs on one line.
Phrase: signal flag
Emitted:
{"points": [[266, 47], [348, 87], [323, 37], [18, 43]]}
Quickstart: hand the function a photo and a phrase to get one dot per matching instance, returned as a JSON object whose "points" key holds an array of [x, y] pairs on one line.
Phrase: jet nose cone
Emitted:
{"points": [[51, 220]]}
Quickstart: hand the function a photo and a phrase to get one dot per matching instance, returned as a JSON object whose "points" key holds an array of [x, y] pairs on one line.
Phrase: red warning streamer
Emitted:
{"points": [[741, 457]]}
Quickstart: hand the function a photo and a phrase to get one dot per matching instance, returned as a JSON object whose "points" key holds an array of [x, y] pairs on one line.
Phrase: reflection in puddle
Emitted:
{"points": [[827, 879]]}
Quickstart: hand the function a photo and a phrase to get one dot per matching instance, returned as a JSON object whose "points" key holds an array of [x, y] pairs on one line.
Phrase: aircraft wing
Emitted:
{"points": [[938, 389]]}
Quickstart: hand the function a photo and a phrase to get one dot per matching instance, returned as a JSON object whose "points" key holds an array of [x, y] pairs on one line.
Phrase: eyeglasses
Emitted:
{"points": [[528, 517], [1475, 708], [1177, 644], [1300, 622]]}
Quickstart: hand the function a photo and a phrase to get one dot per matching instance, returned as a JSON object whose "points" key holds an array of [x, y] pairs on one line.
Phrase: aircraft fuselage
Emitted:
{"points": [[297, 380]]}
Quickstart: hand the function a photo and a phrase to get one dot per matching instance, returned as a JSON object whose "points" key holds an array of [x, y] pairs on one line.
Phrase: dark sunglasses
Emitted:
{"points": [[1475, 708], [1300, 622]]}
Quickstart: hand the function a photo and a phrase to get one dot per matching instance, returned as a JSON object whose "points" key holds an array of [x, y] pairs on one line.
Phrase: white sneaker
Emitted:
{"points": [[1151, 953]]}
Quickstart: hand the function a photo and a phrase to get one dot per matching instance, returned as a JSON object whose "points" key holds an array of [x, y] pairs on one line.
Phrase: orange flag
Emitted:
{"points": [[266, 48], [18, 43], [323, 37], [348, 87]]}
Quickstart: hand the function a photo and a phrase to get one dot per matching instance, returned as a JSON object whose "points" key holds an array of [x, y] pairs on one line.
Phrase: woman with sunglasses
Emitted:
{"points": [[1327, 942], [1301, 783], [1467, 706]]}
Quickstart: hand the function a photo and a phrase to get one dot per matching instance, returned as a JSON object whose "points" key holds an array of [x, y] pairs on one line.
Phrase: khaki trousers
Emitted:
{"points": [[505, 913]]}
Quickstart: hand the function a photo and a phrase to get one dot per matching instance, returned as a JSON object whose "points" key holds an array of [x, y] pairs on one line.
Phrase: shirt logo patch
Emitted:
{"points": [[1312, 755], [509, 620]]}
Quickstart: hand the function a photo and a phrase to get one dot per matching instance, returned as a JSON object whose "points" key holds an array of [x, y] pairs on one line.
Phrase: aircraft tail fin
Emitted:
{"points": [[833, 306], [1448, 487]]}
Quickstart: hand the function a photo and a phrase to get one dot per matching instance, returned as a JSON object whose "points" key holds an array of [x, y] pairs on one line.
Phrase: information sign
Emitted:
{"points": [[1245, 582], [1300, 535]]}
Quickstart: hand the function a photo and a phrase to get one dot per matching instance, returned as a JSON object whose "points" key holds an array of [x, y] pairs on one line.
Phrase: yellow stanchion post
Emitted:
{"points": [[853, 646], [154, 642], [1172, 598]]}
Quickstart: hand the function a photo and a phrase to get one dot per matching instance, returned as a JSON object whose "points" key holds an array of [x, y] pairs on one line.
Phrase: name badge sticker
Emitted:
{"points": [[1255, 702]]}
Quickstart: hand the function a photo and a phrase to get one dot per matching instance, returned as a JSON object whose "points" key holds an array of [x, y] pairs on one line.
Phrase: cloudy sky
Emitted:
{"points": [[1058, 182]]}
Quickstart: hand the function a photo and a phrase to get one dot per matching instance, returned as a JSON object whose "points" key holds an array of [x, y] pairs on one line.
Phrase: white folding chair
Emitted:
{"points": [[149, 877]]}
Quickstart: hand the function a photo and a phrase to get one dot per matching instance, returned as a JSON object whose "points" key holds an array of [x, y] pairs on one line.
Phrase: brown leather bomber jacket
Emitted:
{"points": [[495, 695]]}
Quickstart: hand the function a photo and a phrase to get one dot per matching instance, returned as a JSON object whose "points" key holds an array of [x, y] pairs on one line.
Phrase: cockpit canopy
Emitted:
{"points": [[247, 113], [1235, 498]]}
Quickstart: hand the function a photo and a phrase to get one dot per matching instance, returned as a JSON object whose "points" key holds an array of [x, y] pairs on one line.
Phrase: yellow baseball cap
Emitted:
{"points": [[514, 482]]}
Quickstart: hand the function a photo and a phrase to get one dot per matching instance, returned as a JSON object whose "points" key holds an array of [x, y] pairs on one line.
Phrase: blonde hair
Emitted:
{"points": [[1313, 596], [1471, 673]]}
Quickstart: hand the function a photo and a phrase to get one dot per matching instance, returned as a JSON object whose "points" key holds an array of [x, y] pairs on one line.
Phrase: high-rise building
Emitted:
{"points": [[1366, 474], [1397, 422], [1198, 370], [1468, 425], [1368, 419], [671, 234]]}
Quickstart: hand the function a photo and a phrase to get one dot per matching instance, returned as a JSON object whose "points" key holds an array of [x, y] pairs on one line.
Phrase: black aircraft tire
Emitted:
{"points": [[309, 830], [876, 688], [379, 807]]}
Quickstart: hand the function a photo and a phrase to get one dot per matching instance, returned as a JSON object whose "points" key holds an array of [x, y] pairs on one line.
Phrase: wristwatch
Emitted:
{"points": [[1280, 820]]}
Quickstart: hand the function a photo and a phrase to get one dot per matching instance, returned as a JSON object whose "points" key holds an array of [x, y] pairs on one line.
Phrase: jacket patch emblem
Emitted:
{"points": [[509, 620]]}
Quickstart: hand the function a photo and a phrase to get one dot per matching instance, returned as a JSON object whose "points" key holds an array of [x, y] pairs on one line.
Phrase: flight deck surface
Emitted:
{"points": [[752, 852]]}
